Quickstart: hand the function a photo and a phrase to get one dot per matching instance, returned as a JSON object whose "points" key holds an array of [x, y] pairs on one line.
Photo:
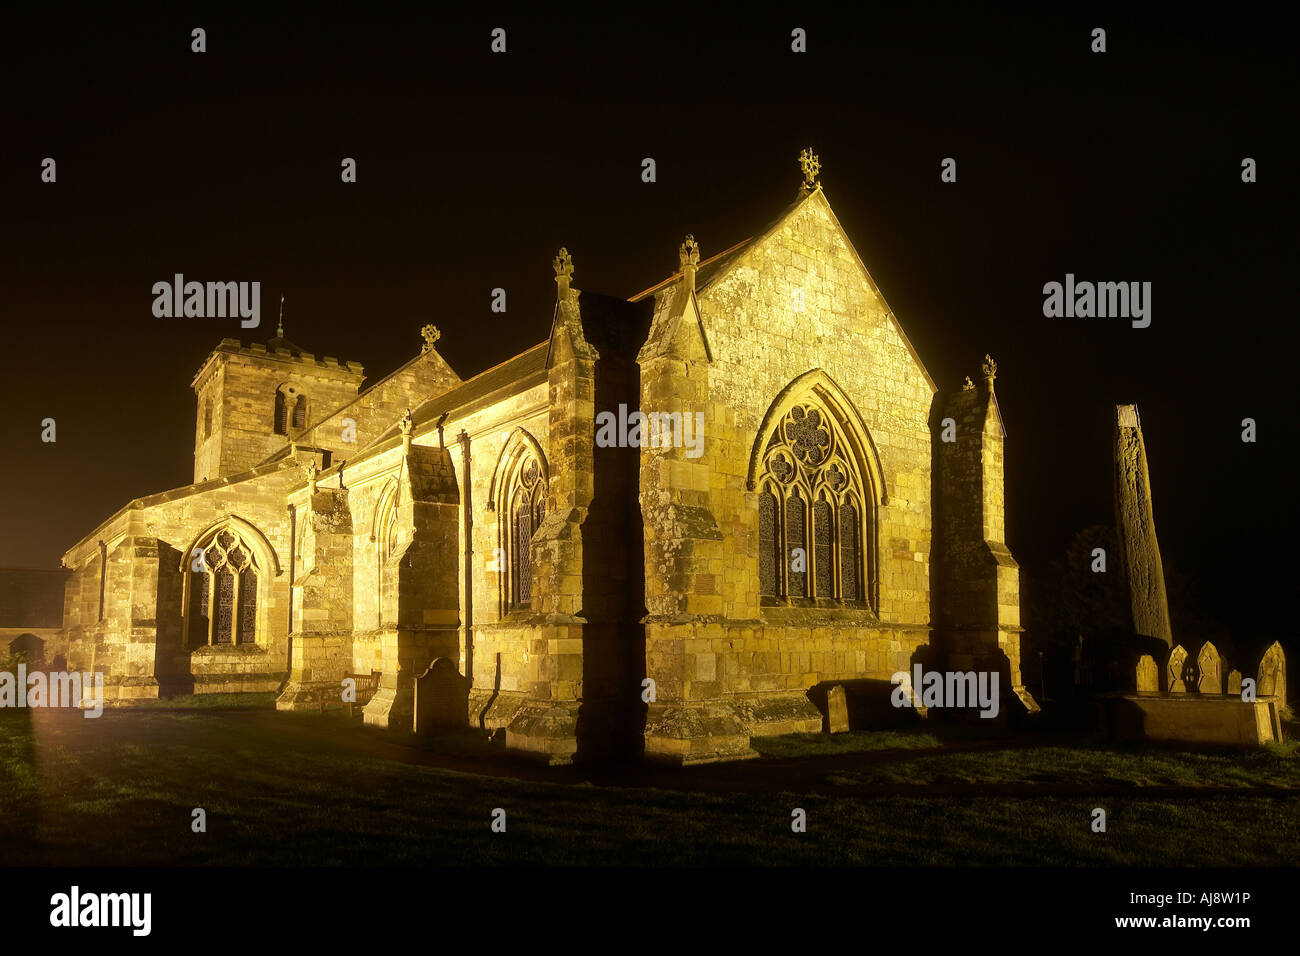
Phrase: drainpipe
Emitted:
{"points": [[467, 502], [293, 551], [103, 576]]}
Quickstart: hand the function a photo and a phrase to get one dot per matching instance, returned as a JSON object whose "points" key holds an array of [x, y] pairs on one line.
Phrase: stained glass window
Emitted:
{"points": [[768, 556], [529, 497], [223, 619], [796, 546], [849, 552], [809, 474], [822, 551], [247, 606], [224, 576], [198, 608], [523, 568]]}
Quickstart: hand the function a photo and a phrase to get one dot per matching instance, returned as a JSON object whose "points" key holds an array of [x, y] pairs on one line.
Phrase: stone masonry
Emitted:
{"points": [[835, 518]]}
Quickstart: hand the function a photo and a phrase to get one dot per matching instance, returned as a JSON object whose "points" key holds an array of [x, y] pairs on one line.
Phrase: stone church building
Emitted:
{"points": [[582, 595]]}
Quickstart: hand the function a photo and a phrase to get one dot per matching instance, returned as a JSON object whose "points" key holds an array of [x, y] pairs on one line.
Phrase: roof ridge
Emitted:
{"points": [[735, 250]]}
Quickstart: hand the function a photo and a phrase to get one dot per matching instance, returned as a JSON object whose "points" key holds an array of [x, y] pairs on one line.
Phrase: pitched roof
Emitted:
{"points": [[511, 376], [715, 267], [706, 272]]}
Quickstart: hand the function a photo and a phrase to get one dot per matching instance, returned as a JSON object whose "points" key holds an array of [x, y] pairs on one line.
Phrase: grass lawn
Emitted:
{"points": [[313, 789]]}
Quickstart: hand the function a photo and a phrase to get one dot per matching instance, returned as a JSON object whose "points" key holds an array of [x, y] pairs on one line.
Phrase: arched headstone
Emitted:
{"points": [[1175, 670], [1209, 674], [31, 647], [1148, 675], [441, 698], [1272, 674], [837, 710]]}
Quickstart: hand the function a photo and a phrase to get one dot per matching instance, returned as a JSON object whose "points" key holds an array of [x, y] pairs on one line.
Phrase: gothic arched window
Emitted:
{"points": [[385, 536], [207, 417], [525, 511], [281, 414], [811, 511], [223, 587]]}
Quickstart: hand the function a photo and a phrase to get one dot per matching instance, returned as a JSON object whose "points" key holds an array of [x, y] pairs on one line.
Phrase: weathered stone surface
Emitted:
{"points": [[1139, 550], [1148, 674], [1234, 682], [1209, 672], [626, 606], [1219, 720], [1176, 671], [1271, 681], [837, 710], [441, 698]]}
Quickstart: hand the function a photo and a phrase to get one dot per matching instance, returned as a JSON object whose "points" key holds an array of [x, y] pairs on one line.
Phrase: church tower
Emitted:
{"points": [[254, 399]]}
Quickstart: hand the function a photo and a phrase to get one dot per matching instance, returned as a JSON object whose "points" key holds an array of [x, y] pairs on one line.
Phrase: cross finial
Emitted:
{"points": [[811, 168], [431, 336], [563, 265], [990, 368], [279, 329]]}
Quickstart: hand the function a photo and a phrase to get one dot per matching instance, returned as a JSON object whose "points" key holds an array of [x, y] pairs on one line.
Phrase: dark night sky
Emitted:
{"points": [[474, 168]]}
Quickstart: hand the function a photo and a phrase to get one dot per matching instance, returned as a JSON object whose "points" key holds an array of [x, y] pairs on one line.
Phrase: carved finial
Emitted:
{"points": [[311, 471], [431, 336], [811, 168], [990, 368], [279, 329], [689, 255], [406, 425], [968, 385], [563, 266]]}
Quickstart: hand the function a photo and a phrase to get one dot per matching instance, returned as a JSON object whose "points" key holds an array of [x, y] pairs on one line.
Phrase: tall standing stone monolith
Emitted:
{"points": [[1139, 553]]}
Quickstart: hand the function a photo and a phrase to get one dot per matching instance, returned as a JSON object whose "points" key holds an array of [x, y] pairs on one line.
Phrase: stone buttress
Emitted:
{"points": [[977, 591]]}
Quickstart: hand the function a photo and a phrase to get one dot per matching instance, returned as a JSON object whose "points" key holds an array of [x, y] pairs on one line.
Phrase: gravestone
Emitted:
{"points": [[1234, 682], [1272, 674], [1148, 675], [441, 698], [1209, 674], [837, 710], [1175, 669], [31, 647]]}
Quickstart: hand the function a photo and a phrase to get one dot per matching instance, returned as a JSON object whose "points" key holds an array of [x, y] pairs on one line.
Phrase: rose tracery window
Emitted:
{"points": [[223, 586], [811, 511]]}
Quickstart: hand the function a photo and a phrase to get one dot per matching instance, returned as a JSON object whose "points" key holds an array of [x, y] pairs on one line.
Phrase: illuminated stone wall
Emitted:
{"points": [[642, 562], [795, 317], [241, 382], [138, 642]]}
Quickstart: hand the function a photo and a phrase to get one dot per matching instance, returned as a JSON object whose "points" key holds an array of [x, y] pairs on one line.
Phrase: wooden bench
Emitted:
{"points": [[366, 687]]}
